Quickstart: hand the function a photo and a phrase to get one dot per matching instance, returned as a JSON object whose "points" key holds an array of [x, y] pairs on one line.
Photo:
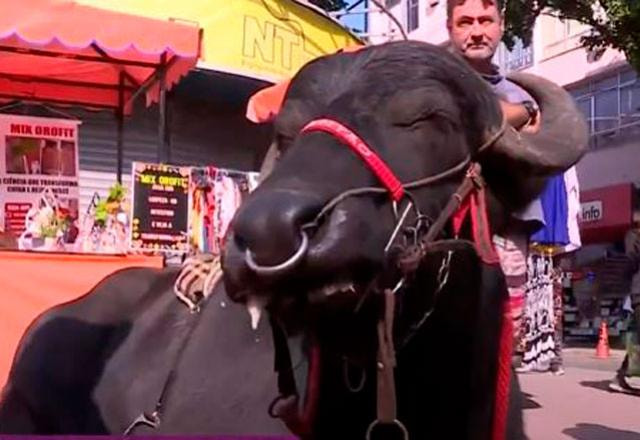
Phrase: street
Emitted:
{"points": [[578, 405]]}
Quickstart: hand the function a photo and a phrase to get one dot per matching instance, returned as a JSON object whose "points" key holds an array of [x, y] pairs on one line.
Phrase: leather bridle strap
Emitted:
{"points": [[386, 362], [350, 139], [411, 256], [386, 409]]}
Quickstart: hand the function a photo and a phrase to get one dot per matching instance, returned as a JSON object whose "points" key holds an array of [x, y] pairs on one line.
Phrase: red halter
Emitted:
{"points": [[360, 147], [473, 203]]}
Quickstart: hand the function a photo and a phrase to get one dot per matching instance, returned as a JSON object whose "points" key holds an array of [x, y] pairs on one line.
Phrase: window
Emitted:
{"points": [[605, 110], [611, 106], [413, 9], [559, 36], [630, 100], [517, 59], [584, 104]]}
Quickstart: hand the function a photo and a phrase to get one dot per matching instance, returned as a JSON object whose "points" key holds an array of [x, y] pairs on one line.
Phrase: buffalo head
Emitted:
{"points": [[423, 111]]}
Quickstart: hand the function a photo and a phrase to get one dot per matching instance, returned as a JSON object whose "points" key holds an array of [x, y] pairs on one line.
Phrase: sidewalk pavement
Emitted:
{"points": [[578, 405]]}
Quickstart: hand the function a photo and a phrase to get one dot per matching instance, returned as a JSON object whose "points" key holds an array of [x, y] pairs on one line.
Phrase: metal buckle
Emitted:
{"points": [[398, 226], [396, 422], [287, 401], [152, 420]]}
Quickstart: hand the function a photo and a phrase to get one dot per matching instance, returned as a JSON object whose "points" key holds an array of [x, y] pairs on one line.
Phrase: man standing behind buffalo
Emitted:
{"points": [[475, 30]]}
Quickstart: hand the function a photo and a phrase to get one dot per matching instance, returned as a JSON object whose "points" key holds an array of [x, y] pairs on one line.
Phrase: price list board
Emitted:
{"points": [[160, 208]]}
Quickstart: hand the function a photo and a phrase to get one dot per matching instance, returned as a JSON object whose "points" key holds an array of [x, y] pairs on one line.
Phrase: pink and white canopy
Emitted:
{"points": [[59, 51]]}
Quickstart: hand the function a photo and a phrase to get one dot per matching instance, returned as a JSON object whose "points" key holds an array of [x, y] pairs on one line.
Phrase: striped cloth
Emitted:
{"points": [[512, 251], [197, 278]]}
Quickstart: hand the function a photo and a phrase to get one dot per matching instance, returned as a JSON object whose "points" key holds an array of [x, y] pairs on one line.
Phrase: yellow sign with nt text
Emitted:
{"points": [[265, 39]]}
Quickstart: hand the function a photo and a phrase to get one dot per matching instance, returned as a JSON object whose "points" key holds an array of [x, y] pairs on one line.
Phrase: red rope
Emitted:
{"points": [[349, 138], [503, 382], [301, 423], [475, 204]]}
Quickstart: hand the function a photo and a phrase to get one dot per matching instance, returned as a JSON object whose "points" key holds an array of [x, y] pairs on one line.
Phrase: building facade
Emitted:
{"points": [[607, 90]]}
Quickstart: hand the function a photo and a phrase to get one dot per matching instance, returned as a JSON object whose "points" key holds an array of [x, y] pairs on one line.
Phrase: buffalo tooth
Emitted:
{"points": [[331, 289], [255, 307]]}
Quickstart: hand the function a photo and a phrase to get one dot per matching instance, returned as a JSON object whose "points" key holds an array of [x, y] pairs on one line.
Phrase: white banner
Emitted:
{"points": [[35, 154]]}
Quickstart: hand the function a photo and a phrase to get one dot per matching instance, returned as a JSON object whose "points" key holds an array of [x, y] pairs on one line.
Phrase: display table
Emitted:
{"points": [[32, 282]]}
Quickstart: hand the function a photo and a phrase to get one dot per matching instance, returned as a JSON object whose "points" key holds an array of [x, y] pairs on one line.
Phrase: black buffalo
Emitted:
{"points": [[94, 365], [423, 111]]}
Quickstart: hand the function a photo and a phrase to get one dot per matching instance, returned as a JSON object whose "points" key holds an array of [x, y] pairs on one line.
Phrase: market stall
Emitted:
{"points": [[171, 181], [54, 52]]}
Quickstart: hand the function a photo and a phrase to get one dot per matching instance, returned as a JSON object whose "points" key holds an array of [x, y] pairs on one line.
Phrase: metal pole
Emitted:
{"points": [[120, 119], [366, 17], [167, 127], [162, 123]]}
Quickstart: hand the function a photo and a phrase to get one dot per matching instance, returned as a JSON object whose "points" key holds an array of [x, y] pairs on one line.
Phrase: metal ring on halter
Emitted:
{"points": [[396, 422], [270, 270], [347, 380], [272, 407]]}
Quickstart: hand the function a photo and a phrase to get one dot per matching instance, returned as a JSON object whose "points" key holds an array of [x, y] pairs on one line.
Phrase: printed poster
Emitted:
{"points": [[159, 207], [35, 154]]}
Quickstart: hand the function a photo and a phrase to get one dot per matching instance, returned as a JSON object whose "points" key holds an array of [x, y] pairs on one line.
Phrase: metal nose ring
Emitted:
{"points": [[288, 264]]}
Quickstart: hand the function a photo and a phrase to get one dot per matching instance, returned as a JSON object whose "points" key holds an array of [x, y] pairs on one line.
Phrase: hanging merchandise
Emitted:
{"points": [[227, 198], [512, 250], [561, 207], [202, 210], [558, 312], [539, 317], [214, 196], [554, 206], [574, 211]]}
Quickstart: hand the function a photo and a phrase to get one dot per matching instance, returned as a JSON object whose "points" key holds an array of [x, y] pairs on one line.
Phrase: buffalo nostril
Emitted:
{"points": [[239, 242], [270, 227]]}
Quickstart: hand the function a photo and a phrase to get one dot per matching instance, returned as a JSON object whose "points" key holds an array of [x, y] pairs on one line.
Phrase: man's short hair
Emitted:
{"points": [[453, 3]]}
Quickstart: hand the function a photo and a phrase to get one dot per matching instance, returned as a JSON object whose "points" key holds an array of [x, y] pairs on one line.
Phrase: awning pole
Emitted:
{"points": [[163, 155], [120, 134]]}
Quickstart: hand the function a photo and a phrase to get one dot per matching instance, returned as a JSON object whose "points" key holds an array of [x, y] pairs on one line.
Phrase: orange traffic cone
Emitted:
{"points": [[602, 350]]}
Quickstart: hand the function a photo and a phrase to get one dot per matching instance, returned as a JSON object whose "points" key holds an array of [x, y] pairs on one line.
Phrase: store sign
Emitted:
{"points": [[36, 154], [606, 213], [592, 211], [159, 208]]}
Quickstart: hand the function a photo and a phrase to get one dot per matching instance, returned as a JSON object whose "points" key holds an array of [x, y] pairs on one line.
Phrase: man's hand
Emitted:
{"points": [[518, 117]]}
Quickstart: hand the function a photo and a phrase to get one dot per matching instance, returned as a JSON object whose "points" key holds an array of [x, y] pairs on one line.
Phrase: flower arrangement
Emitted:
{"points": [[113, 205], [104, 228], [47, 225], [52, 222]]}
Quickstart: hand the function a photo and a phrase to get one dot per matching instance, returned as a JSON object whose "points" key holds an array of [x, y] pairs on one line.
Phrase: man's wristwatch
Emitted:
{"points": [[531, 108]]}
